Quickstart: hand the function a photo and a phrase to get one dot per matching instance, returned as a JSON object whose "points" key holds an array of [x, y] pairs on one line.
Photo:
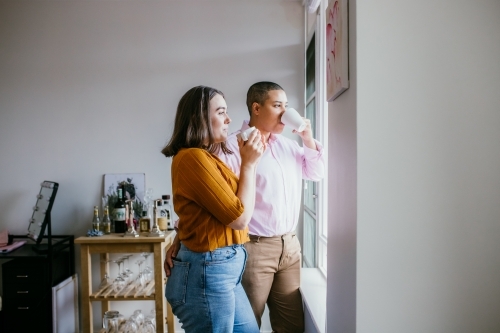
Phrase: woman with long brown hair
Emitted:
{"points": [[214, 208]]}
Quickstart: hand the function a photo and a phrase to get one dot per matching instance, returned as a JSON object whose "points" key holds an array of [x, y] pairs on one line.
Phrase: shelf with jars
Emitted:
{"points": [[152, 288]]}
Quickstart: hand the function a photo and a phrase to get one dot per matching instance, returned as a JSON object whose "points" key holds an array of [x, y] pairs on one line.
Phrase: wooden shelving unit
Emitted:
{"points": [[154, 291]]}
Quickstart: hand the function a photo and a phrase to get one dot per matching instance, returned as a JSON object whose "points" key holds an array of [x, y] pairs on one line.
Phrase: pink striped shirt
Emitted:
{"points": [[279, 181]]}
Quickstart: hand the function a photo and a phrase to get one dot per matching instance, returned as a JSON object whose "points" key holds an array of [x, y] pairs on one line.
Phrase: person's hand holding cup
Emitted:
{"points": [[251, 146], [293, 119], [244, 135]]}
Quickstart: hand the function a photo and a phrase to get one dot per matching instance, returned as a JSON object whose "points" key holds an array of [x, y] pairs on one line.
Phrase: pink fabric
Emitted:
{"points": [[11, 247], [279, 181], [4, 237]]}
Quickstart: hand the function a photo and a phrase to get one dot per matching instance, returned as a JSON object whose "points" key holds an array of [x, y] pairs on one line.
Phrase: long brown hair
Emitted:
{"points": [[192, 123]]}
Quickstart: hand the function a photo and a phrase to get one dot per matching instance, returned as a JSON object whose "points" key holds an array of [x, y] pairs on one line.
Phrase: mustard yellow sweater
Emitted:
{"points": [[204, 196]]}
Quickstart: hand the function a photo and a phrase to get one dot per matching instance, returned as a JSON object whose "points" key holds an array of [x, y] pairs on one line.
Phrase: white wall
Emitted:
{"points": [[91, 87], [426, 108], [342, 195]]}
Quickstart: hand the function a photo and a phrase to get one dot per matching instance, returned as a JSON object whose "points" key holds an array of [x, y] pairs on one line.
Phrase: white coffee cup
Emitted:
{"points": [[245, 134], [293, 119]]}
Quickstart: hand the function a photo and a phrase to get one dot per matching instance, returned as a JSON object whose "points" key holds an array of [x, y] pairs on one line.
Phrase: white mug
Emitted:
{"points": [[293, 119], [245, 134]]}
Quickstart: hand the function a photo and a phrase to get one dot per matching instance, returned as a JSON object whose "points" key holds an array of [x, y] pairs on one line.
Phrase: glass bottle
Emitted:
{"points": [[145, 222], [119, 213], [106, 222], [95, 219], [167, 211], [161, 217]]}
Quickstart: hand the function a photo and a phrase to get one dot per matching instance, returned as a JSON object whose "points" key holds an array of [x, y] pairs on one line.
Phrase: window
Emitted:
{"points": [[315, 230], [310, 188]]}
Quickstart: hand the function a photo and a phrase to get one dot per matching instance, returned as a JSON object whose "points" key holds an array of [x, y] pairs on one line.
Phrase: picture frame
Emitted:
{"points": [[337, 48], [134, 185]]}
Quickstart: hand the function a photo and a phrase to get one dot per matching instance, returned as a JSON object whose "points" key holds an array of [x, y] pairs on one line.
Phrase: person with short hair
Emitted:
{"points": [[272, 273]]}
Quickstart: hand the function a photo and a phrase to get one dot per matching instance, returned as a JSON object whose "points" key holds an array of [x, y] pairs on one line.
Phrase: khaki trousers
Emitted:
{"points": [[272, 276]]}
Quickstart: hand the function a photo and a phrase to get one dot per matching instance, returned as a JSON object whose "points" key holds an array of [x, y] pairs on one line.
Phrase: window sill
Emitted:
{"points": [[313, 290]]}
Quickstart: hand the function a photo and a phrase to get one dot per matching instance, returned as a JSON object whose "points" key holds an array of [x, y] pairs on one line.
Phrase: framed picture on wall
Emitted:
{"points": [[134, 185], [337, 49]]}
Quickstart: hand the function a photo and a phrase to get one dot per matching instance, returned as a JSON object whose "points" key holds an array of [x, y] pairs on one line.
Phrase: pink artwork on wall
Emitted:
{"points": [[337, 47]]}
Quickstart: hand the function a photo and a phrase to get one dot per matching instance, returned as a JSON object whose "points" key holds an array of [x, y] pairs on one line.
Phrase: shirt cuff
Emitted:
{"points": [[313, 153]]}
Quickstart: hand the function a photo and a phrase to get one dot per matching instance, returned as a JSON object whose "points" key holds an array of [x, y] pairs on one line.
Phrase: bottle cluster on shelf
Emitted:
{"points": [[100, 226], [121, 217]]}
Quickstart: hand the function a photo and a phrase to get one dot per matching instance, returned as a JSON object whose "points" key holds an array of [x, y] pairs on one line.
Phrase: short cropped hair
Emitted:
{"points": [[192, 125], [258, 92]]}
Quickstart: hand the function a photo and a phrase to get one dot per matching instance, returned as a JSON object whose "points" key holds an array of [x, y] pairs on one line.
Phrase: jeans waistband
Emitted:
{"points": [[185, 248]]}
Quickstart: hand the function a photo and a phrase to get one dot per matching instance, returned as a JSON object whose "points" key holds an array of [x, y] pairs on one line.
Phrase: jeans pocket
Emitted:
{"points": [[221, 256], [175, 291]]}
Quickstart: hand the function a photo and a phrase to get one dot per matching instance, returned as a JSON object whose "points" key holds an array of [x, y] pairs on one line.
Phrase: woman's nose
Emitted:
{"points": [[228, 120]]}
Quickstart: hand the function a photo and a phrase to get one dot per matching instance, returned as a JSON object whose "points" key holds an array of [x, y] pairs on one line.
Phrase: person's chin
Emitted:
{"points": [[279, 129], [221, 138]]}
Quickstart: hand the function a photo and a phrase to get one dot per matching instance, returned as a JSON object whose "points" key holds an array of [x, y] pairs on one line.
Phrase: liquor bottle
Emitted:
{"points": [[95, 220], [167, 209], [145, 221], [119, 213], [106, 222], [161, 216]]}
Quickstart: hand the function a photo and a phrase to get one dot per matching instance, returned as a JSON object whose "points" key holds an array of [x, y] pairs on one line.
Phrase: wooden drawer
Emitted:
{"points": [[26, 271], [33, 319], [21, 305], [23, 275], [23, 291]]}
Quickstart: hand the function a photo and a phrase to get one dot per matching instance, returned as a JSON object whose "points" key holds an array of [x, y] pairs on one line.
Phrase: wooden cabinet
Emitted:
{"points": [[27, 281], [116, 243]]}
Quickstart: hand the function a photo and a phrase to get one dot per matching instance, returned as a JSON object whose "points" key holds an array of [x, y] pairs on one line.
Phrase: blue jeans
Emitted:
{"points": [[205, 291]]}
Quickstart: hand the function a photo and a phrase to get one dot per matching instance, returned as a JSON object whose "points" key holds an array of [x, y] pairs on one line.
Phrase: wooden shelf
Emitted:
{"points": [[127, 294], [153, 291]]}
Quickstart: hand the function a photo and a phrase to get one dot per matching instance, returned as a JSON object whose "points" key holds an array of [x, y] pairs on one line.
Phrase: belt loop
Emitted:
{"points": [[254, 238]]}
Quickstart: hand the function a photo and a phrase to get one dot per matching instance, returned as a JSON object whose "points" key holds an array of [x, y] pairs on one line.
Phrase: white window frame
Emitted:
{"points": [[318, 29]]}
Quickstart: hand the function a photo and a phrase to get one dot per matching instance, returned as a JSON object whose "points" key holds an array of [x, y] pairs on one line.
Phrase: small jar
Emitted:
{"points": [[110, 321]]}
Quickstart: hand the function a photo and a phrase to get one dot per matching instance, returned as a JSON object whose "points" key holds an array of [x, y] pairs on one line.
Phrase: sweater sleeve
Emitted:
{"points": [[205, 183]]}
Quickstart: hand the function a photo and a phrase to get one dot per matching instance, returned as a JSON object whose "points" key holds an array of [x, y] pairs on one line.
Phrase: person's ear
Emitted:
{"points": [[255, 108]]}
